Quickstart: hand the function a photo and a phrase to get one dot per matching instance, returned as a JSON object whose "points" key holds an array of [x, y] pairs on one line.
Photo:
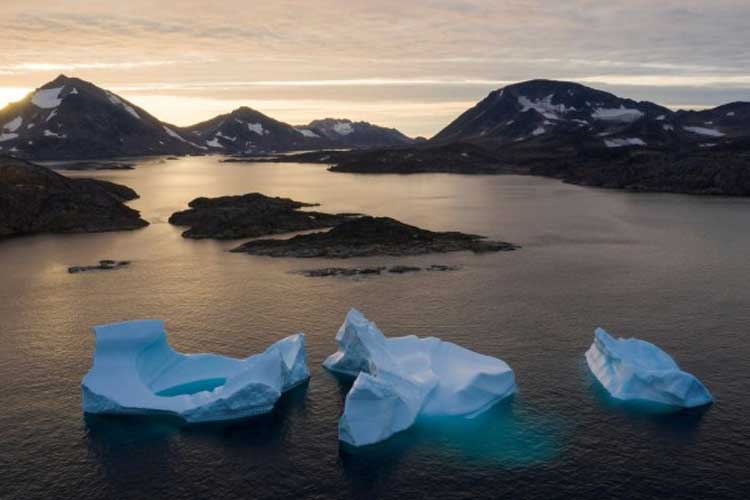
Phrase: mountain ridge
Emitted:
{"points": [[549, 111], [70, 118]]}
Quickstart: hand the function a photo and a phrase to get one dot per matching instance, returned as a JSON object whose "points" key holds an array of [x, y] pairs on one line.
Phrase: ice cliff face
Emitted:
{"points": [[136, 371], [399, 379], [632, 369]]}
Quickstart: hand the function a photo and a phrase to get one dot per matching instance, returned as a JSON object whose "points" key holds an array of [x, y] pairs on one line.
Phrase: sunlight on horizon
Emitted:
{"points": [[10, 95]]}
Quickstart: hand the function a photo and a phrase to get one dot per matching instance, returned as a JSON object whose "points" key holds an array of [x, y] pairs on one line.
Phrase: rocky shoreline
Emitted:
{"points": [[34, 199]]}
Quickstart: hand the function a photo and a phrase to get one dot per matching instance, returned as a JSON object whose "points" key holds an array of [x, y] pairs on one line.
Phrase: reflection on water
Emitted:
{"points": [[508, 434], [139, 448]]}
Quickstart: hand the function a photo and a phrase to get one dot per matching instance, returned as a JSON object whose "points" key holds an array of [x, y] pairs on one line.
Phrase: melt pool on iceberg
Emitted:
{"points": [[136, 371], [400, 378], [633, 369]]}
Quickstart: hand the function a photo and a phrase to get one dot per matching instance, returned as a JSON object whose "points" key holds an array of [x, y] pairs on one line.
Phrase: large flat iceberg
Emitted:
{"points": [[401, 378], [633, 369], [136, 371]]}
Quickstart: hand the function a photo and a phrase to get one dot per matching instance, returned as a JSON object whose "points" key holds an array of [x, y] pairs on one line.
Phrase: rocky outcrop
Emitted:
{"points": [[369, 271], [34, 199], [249, 216], [103, 265], [369, 236]]}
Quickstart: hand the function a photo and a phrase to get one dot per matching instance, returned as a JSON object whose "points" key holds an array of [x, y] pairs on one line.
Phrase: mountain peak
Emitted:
{"points": [[63, 79], [69, 118], [541, 109]]}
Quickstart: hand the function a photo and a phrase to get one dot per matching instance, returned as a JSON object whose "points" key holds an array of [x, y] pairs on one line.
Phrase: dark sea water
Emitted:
{"points": [[671, 269]]}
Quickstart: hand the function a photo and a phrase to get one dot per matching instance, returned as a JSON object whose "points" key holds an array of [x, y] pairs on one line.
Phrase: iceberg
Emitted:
{"points": [[136, 371], [633, 369], [399, 379]]}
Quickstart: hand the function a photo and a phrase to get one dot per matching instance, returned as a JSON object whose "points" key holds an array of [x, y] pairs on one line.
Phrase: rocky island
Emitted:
{"points": [[249, 216], [103, 265], [369, 236], [34, 199]]}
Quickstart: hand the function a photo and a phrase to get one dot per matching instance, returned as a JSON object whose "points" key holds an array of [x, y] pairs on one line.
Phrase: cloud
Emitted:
{"points": [[380, 50], [33, 66]]}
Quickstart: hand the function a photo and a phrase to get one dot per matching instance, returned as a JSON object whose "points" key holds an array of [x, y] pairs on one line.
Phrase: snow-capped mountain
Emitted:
{"points": [[71, 118], [346, 133], [564, 113], [247, 131]]}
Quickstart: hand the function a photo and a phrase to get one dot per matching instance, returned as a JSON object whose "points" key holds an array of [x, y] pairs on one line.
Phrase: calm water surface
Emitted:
{"points": [[667, 268]]}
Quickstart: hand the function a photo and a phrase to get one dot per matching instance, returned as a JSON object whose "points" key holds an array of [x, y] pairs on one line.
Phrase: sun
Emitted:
{"points": [[12, 94]]}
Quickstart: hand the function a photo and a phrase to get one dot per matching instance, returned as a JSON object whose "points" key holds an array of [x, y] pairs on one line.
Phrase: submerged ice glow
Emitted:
{"points": [[399, 379]]}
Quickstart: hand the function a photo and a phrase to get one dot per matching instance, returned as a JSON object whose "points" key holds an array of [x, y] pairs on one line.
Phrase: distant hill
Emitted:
{"points": [[346, 133]]}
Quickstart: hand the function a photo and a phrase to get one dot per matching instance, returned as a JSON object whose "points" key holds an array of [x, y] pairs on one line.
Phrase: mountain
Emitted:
{"points": [[69, 118], [349, 134], [570, 115], [578, 134], [247, 131], [34, 199]]}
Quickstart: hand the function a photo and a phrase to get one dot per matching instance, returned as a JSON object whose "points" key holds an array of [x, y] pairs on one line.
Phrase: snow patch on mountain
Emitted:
{"points": [[14, 124], [668, 127], [257, 128], [118, 102], [704, 131], [620, 115], [47, 98], [538, 131], [214, 143], [343, 128], [177, 136], [544, 107], [219, 134], [7, 137], [51, 115], [307, 132], [626, 141], [49, 133]]}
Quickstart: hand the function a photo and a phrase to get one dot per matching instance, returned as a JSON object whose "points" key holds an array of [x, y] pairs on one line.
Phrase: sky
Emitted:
{"points": [[414, 65]]}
